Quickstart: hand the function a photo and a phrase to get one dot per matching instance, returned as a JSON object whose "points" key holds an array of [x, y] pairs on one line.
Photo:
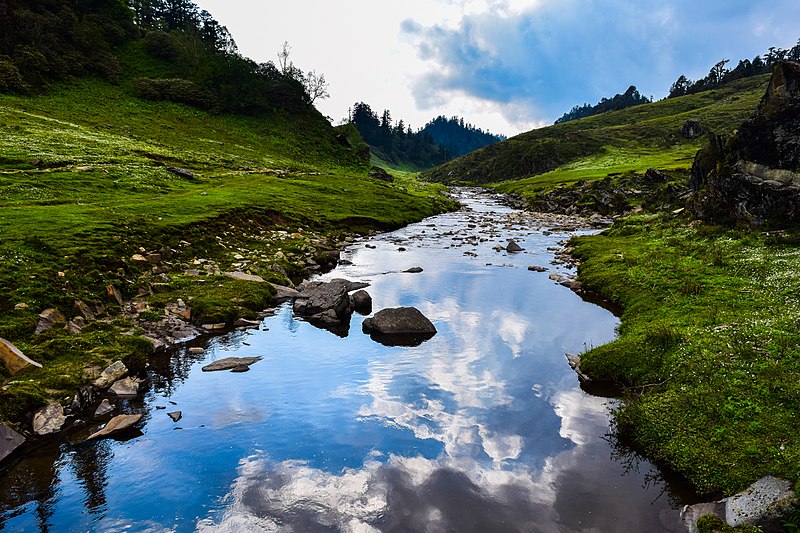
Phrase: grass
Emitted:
{"points": [[708, 346], [84, 185], [633, 139]]}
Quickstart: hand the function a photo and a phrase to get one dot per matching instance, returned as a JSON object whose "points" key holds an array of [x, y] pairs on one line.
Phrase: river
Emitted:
{"points": [[482, 428]]}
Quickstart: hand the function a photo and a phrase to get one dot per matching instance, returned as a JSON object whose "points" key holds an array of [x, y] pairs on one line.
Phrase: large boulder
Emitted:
{"points": [[362, 302], [14, 359], [399, 326], [327, 305]]}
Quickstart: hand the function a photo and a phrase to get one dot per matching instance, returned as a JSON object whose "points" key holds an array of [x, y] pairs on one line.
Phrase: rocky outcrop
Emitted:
{"points": [[14, 359], [400, 326], [755, 177]]}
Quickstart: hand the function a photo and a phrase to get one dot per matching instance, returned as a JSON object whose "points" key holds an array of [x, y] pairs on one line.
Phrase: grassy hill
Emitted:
{"points": [[628, 140], [85, 184]]}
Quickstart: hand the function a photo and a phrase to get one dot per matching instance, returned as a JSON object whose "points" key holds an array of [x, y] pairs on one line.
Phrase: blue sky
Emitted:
{"points": [[504, 65]]}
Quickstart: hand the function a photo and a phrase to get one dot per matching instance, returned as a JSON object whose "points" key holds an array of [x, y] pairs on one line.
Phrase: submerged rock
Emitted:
{"points": [[14, 359], [230, 363], [399, 326], [116, 425]]}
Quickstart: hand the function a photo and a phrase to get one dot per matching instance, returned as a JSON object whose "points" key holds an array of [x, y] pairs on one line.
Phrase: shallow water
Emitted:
{"points": [[482, 428]]}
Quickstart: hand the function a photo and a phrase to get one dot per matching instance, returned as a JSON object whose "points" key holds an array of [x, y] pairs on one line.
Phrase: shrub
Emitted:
{"points": [[160, 45], [10, 79], [174, 90]]}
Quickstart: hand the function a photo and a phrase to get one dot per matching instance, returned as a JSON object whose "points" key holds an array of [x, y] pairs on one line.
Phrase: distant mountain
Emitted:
{"points": [[457, 137]]}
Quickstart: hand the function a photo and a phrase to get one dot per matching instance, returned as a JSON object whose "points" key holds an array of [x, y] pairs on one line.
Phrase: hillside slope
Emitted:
{"points": [[632, 139]]}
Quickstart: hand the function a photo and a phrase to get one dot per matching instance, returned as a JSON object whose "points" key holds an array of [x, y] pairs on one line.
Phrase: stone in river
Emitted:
{"points": [[535, 268], [115, 425], [126, 387], [413, 270], [175, 415], [362, 302], [399, 326], [230, 363], [513, 247], [14, 359], [104, 408], [10, 440]]}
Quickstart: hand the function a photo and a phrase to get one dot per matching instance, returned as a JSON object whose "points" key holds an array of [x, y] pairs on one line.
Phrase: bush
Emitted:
{"points": [[160, 45], [174, 90], [10, 79]]}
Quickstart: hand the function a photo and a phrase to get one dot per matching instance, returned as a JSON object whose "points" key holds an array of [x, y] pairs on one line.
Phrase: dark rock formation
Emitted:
{"points": [[755, 178], [327, 305], [400, 326], [513, 247], [362, 302], [47, 319]]}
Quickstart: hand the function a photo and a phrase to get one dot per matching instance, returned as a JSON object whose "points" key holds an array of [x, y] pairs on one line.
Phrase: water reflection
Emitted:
{"points": [[481, 428]]}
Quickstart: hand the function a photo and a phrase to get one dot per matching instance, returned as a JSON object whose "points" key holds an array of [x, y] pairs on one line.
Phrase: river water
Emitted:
{"points": [[482, 428]]}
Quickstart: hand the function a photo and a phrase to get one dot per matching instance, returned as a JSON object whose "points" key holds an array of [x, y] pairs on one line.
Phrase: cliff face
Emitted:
{"points": [[755, 177]]}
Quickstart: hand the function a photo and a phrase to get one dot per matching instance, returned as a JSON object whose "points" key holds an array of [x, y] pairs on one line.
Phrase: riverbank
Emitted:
{"points": [[708, 346]]}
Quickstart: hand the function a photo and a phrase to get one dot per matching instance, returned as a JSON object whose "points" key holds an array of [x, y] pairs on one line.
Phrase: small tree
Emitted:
{"points": [[316, 87]]}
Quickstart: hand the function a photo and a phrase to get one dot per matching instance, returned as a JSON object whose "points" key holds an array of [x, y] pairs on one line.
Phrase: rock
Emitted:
{"points": [[10, 440], [49, 419], [285, 293], [691, 129], [318, 297], [244, 277], [182, 172], [229, 363], [362, 302], [196, 350], [175, 415], [381, 174], [244, 323], [240, 369], [575, 364], [153, 258], [112, 373], [14, 359], [82, 399], [126, 387], [405, 326], [138, 258], [763, 504], [47, 319], [513, 247], [115, 425], [113, 292], [413, 270], [214, 327], [21, 306], [74, 328], [534, 268], [104, 409], [690, 514], [84, 310]]}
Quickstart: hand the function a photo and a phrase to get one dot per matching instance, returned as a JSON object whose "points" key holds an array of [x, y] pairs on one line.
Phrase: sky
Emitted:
{"points": [[506, 66]]}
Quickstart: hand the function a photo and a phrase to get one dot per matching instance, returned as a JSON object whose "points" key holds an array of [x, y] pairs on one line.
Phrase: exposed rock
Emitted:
{"points": [[49, 419], [285, 293], [112, 373], [126, 387], [762, 504], [229, 363], [116, 425], [196, 350], [245, 323], [400, 326], [513, 247], [240, 369], [21, 306], [10, 440], [214, 327], [104, 409], [691, 129], [413, 270], [84, 310], [575, 364], [381, 174], [690, 514], [73, 327], [138, 258], [47, 319], [175, 415], [535, 268], [317, 297], [182, 172], [113, 292], [362, 302], [14, 359], [153, 258], [244, 277]]}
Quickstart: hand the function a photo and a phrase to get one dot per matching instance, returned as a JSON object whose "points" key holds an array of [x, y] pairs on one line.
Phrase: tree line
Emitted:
{"points": [[629, 98], [439, 141], [720, 74]]}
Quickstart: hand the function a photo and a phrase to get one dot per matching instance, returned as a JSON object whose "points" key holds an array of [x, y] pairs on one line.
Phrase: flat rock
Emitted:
{"points": [[115, 425], [692, 513], [535, 268], [112, 373], [175, 415], [49, 419], [413, 270], [229, 363], [104, 408], [47, 319], [14, 359], [138, 258], [196, 350], [214, 327], [244, 277], [10, 440], [126, 387]]}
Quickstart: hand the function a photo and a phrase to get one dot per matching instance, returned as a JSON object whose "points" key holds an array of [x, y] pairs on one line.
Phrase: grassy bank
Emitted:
{"points": [[709, 346], [85, 185]]}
